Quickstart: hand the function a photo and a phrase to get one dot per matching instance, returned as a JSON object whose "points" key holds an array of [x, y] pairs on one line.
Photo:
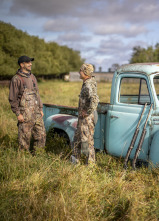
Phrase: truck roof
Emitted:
{"points": [[147, 68]]}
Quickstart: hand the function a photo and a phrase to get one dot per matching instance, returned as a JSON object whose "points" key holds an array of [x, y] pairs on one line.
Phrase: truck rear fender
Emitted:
{"points": [[62, 122]]}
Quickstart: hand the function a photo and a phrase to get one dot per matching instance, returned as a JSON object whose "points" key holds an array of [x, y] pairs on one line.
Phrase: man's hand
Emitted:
{"points": [[42, 114], [20, 118]]}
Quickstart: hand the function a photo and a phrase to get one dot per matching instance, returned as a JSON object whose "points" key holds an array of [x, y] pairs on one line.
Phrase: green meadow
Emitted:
{"points": [[48, 187]]}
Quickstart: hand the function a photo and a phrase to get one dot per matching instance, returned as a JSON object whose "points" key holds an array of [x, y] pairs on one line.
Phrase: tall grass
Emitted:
{"points": [[48, 187], [66, 93]]}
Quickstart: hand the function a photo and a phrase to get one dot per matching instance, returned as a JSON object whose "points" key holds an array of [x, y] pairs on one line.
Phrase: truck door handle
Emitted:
{"points": [[112, 116]]}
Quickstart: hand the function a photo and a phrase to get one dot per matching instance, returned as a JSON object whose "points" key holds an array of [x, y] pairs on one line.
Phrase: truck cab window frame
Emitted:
{"points": [[139, 93], [156, 85]]}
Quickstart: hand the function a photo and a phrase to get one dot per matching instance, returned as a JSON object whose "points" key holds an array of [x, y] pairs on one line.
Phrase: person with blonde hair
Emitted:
{"points": [[87, 116]]}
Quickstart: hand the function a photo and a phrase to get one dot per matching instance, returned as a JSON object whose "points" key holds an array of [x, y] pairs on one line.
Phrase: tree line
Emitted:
{"points": [[149, 54], [141, 55], [50, 58]]}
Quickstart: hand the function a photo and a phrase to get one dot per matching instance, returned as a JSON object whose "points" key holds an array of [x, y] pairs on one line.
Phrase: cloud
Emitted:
{"points": [[61, 25], [110, 11], [105, 31], [113, 50], [2, 1], [111, 46], [125, 17], [115, 46], [77, 46], [120, 29], [74, 37], [49, 8], [128, 11]]}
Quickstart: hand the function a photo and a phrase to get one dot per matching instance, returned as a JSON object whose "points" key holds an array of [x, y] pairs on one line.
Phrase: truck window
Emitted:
{"points": [[134, 91], [156, 83]]}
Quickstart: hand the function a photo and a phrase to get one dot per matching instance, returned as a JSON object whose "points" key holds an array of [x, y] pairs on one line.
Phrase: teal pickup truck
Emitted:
{"points": [[134, 106]]}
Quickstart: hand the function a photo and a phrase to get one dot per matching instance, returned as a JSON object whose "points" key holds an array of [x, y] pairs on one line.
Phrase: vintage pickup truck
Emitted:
{"points": [[133, 86]]}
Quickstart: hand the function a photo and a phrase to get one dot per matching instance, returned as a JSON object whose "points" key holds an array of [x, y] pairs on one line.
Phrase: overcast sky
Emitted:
{"points": [[104, 31]]}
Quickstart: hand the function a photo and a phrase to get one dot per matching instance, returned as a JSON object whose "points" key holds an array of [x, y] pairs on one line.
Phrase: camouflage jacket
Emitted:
{"points": [[17, 89], [88, 98]]}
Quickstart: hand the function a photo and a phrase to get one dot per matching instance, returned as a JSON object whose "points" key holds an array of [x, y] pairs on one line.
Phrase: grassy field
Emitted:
{"points": [[48, 187], [66, 93]]}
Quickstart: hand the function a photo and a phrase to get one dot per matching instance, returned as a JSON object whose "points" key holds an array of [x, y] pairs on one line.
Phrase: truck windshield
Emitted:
{"points": [[156, 84]]}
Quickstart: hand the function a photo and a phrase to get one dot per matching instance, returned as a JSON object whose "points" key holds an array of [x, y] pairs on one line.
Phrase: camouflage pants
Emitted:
{"points": [[83, 139], [35, 129]]}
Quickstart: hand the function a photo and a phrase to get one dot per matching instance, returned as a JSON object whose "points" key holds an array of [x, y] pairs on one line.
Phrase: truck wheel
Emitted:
{"points": [[57, 141]]}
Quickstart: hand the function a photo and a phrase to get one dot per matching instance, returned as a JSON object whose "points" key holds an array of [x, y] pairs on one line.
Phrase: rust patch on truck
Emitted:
{"points": [[65, 120], [74, 124], [60, 119]]}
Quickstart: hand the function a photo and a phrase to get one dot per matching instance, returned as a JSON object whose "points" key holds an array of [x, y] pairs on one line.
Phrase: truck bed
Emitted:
{"points": [[100, 129]]}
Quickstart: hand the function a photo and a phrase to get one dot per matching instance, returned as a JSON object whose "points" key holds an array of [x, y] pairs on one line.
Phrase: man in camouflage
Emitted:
{"points": [[87, 116], [25, 102]]}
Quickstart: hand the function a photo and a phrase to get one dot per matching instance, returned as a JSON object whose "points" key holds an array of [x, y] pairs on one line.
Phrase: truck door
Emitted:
{"points": [[132, 92]]}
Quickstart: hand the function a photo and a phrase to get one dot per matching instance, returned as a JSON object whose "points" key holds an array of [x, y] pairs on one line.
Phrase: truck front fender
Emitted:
{"points": [[64, 122], [154, 151]]}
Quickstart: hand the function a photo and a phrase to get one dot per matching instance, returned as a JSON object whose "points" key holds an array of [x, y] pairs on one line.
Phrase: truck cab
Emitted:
{"points": [[126, 105]]}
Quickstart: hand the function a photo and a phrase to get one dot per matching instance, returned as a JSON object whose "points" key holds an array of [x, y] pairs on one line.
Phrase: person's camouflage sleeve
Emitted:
{"points": [[88, 99]]}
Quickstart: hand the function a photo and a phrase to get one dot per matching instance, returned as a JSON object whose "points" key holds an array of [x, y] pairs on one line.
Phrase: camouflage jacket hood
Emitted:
{"points": [[27, 75]]}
